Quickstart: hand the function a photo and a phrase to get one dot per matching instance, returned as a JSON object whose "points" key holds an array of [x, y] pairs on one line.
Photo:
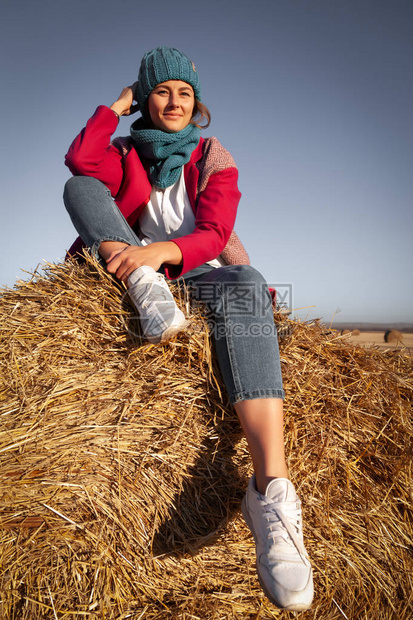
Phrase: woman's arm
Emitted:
{"points": [[123, 106], [91, 153], [214, 222], [122, 263]]}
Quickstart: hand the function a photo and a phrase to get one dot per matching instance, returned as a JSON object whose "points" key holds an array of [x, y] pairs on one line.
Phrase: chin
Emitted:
{"points": [[173, 129]]}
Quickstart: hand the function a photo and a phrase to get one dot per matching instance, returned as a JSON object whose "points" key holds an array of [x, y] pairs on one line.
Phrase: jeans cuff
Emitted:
{"points": [[254, 394], [94, 250]]}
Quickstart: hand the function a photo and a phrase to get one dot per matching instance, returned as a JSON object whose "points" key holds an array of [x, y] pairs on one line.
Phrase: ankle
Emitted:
{"points": [[263, 480], [110, 249]]}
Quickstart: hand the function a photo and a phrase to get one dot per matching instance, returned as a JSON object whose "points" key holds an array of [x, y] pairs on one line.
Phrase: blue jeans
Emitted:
{"points": [[236, 297]]}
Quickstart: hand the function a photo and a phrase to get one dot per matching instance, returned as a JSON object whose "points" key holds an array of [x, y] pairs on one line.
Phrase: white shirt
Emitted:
{"points": [[168, 215]]}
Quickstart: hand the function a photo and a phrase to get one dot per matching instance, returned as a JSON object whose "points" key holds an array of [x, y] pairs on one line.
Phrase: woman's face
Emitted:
{"points": [[171, 105]]}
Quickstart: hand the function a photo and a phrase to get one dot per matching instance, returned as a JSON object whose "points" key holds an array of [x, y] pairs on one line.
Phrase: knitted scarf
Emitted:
{"points": [[166, 152]]}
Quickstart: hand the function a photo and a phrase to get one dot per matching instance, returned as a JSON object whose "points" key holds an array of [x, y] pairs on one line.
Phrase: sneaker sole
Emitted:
{"points": [[173, 330], [293, 606], [170, 333]]}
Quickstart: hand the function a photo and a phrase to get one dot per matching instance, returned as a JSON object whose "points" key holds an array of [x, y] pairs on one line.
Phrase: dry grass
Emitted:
{"points": [[123, 467]]}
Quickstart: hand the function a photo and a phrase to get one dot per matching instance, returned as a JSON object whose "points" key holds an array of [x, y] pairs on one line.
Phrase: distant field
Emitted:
{"points": [[370, 338]]}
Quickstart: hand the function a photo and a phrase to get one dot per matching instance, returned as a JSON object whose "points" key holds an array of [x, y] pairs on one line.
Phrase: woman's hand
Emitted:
{"points": [[154, 255], [124, 103]]}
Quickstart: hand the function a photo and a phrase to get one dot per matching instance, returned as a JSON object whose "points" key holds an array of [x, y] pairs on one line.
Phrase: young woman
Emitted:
{"points": [[164, 201]]}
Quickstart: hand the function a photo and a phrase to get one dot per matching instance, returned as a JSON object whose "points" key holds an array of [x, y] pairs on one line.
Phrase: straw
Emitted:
{"points": [[123, 465]]}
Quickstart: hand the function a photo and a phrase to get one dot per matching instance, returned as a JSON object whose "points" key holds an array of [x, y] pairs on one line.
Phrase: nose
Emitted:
{"points": [[173, 100]]}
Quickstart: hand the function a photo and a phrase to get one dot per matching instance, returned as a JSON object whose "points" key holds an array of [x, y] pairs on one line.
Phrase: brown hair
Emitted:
{"points": [[200, 114]]}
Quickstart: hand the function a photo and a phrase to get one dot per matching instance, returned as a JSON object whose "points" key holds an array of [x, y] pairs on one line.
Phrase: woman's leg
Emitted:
{"points": [[96, 216], [239, 311], [242, 324], [104, 230], [263, 425]]}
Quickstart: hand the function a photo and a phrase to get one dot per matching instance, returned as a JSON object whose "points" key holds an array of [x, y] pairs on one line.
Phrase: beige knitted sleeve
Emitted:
{"points": [[217, 158]]}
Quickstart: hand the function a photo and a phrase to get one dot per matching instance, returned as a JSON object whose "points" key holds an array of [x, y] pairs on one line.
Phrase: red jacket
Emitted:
{"points": [[215, 208]]}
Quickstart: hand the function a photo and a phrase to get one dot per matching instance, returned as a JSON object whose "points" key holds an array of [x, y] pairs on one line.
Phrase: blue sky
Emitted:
{"points": [[313, 98]]}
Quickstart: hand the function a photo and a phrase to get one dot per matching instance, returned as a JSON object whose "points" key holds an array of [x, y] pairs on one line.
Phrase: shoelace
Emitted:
{"points": [[285, 519], [153, 291]]}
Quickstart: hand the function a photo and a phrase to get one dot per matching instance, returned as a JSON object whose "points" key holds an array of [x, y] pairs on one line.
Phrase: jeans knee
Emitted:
{"points": [[73, 187], [234, 286], [69, 188], [244, 274], [77, 188], [80, 182]]}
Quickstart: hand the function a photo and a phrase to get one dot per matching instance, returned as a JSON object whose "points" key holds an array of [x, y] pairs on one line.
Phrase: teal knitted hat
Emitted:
{"points": [[163, 64]]}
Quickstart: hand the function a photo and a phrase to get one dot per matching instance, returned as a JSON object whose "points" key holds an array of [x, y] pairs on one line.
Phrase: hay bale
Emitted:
{"points": [[123, 467], [393, 336], [350, 332]]}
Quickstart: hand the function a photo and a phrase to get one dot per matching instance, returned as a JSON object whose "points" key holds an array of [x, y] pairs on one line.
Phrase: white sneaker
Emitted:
{"points": [[159, 316], [283, 567]]}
